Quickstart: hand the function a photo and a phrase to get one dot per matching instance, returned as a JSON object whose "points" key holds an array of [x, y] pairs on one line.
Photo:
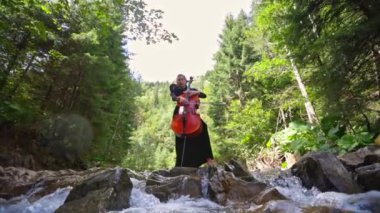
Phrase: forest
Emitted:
{"points": [[289, 77]]}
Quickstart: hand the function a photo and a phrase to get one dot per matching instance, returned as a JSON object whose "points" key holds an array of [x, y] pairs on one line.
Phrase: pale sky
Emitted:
{"points": [[197, 23]]}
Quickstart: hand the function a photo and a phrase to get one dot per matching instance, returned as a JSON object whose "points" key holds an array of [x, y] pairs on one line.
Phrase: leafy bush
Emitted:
{"points": [[17, 113], [354, 141], [300, 137]]}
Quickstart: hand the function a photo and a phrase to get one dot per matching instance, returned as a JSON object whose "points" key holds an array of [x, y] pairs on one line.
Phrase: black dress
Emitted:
{"points": [[197, 149]]}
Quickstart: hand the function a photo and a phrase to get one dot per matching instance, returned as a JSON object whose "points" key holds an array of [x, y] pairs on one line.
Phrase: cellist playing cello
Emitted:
{"points": [[192, 150]]}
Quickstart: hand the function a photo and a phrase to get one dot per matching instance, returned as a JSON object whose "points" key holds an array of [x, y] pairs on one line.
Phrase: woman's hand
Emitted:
{"points": [[182, 100]]}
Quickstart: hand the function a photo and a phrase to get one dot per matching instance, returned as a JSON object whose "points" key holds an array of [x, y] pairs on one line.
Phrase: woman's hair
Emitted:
{"points": [[178, 76], [181, 75]]}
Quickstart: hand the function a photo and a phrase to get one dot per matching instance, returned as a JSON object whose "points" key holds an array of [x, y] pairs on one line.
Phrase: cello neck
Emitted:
{"points": [[188, 87]]}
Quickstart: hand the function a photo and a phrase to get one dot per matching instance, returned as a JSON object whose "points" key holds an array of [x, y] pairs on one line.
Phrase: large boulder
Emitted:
{"points": [[96, 189], [368, 177], [324, 171], [215, 183], [225, 187], [174, 183], [109, 190], [19, 181]]}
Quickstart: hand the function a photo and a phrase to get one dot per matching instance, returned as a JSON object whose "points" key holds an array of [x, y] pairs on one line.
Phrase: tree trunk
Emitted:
{"points": [[313, 119], [47, 97], [110, 142], [283, 117]]}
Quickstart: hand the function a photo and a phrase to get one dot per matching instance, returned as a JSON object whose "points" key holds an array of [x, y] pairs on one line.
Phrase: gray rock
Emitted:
{"points": [[324, 171]]}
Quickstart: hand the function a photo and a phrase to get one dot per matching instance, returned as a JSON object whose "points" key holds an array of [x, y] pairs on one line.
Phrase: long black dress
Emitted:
{"points": [[197, 148]]}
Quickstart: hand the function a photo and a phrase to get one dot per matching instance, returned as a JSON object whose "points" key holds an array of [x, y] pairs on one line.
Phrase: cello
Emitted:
{"points": [[187, 123]]}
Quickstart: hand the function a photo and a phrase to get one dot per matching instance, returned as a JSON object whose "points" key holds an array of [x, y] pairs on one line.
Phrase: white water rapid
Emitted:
{"points": [[141, 202]]}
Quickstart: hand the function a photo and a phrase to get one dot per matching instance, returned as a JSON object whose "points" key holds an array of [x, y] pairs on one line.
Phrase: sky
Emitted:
{"points": [[197, 23]]}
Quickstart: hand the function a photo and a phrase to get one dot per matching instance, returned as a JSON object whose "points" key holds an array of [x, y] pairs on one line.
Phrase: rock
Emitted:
{"points": [[166, 184], [238, 170], [19, 181], [369, 177], [108, 190], [268, 195], [176, 171], [225, 188], [324, 171], [280, 206], [136, 175], [288, 206], [165, 188], [364, 156]]}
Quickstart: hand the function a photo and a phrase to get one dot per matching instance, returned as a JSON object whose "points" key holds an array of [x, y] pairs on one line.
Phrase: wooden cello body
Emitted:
{"points": [[187, 122]]}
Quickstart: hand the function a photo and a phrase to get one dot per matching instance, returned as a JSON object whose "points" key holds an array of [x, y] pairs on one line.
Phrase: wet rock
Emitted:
{"points": [[225, 187], [166, 184], [369, 177], [324, 209], [239, 170], [108, 190], [364, 202], [136, 175], [221, 186], [280, 206], [16, 181], [20, 181], [176, 171], [268, 195], [324, 171], [362, 157], [288, 206], [165, 188]]}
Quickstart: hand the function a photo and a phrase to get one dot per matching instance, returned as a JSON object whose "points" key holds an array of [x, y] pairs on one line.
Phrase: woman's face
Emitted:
{"points": [[181, 81]]}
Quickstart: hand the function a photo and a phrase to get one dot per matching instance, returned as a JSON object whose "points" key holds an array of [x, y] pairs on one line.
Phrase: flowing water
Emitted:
{"points": [[46, 204], [141, 202]]}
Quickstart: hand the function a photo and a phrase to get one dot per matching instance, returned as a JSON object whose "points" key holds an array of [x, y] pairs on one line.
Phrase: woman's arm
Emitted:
{"points": [[196, 92], [174, 97], [175, 93], [202, 95]]}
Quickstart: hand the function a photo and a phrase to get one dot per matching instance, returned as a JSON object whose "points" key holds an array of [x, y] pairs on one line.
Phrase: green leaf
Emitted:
{"points": [[45, 8]]}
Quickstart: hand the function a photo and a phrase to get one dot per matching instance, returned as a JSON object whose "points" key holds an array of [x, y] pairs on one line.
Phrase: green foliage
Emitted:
{"points": [[299, 137], [302, 138], [62, 57], [152, 143], [227, 84], [351, 142], [249, 124]]}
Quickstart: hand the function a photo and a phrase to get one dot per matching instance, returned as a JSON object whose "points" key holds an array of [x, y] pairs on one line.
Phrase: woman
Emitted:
{"points": [[196, 150]]}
